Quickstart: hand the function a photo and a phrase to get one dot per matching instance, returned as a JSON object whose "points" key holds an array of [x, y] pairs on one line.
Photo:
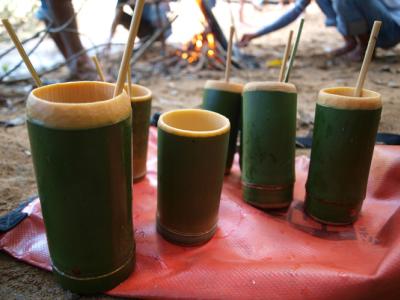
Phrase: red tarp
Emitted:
{"points": [[254, 254]]}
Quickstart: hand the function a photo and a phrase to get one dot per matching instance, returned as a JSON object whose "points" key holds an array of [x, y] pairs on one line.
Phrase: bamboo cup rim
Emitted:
{"points": [[77, 105], [270, 86], [139, 92], [343, 98], [224, 86], [195, 123]]}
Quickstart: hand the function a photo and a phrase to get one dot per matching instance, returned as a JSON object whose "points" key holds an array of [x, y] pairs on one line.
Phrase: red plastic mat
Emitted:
{"points": [[254, 254]]}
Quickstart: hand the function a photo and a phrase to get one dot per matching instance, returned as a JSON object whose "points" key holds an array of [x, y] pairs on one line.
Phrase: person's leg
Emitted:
{"points": [[57, 40], [389, 34], [326, 7], [155, 15], [356, 18], [342, 10], [43, 15], [62, 11]]}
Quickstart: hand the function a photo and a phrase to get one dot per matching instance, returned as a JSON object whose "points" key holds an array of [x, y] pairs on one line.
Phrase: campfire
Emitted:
{"points": [[206, 50], [203, 51]]}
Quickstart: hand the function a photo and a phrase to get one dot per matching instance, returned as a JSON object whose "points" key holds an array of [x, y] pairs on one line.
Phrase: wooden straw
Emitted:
{"points": [[294, 51], [129, 79], [137, 15], [98, 68], [233, 22], [286, 56], [22, 52], [367, 58], [229, 55]]}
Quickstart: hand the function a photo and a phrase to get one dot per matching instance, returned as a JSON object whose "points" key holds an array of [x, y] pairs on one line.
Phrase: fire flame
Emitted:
{"points": [[201, 43], [210, 40]]}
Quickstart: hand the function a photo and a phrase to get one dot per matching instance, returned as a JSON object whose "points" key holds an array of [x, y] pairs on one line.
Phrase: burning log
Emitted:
{"points": [[213, 23], [206, 50]]}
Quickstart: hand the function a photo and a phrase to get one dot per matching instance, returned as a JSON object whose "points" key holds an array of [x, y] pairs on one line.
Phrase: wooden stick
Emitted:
{"points": [[367, 58], [233, 21], [229, 55], [285, 56], [294, 51], [134, 27], [98, 68], [22, 52], [129, 79]]}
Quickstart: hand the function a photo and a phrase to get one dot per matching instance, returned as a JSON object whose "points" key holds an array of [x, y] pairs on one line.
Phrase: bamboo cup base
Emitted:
{"points": [[95, 284], [268, 197], [139, 178], [344, 135], [184, 238], [331, 213]]}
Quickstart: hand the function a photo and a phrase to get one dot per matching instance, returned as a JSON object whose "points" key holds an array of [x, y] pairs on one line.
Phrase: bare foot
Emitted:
{"points": [[342, 50], [82, 69], [350, 43], [358, 53]]}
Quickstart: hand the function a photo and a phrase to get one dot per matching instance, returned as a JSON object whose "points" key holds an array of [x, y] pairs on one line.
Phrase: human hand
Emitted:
{"points": [[246, 38]]}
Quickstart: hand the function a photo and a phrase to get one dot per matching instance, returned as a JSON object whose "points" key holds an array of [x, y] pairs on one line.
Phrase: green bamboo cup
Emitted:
{"points": [[225, 98], [192, 150], [141, 110], [80, 138], [343, 143], [269, 140]]}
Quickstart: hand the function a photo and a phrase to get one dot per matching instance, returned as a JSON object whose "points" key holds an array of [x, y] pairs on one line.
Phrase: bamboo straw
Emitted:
{"points": [[229, 55], [367, 58], [285, 56], [294, 51], [134, 27], [102, 77], [233, 22], [22, 52], [129, 79], [98, 68]]}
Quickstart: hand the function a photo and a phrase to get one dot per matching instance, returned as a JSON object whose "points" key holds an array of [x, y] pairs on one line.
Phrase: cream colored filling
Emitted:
{"points": [[342, 97], [224, 86], [270, 86], [74, 105], [194, 123], [139, 93]]}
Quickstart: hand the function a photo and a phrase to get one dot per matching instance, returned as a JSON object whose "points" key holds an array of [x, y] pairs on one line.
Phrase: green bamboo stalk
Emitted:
{"points": [[294, 51]]}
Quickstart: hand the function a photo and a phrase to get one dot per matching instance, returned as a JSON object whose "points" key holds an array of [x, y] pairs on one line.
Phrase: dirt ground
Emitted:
{"points": [[312, 71]]}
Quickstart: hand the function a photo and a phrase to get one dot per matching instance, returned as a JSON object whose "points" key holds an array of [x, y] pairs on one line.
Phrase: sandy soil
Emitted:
{"points": [[312, 72]]}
